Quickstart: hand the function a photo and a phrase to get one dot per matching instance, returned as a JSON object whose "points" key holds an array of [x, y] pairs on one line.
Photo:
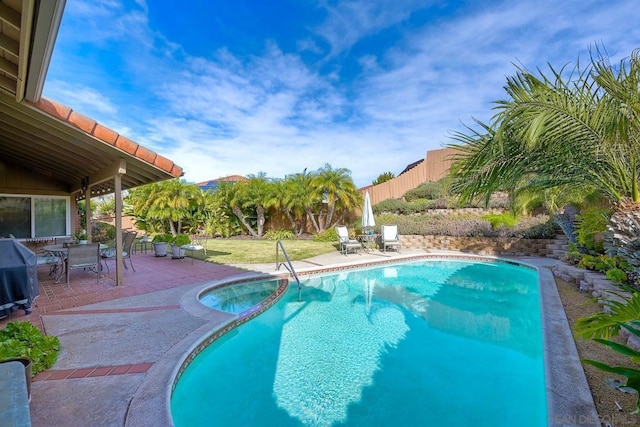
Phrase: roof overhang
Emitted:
{"points": [[51, 139], [28, 30], [66, 147]]}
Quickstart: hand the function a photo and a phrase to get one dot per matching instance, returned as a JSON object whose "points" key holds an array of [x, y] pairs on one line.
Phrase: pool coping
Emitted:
{"points": [[569, 400]]}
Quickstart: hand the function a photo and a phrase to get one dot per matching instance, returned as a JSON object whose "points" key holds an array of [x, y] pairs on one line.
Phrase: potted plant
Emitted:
{"points": [[81, 237], [24, 342], [176, 243], [160, 242]]}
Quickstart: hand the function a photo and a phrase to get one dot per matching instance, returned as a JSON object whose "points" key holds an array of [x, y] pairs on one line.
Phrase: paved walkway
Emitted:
{"points": [[121, 346]]}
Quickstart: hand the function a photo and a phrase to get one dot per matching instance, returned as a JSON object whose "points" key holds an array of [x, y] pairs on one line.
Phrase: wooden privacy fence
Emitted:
{"points": [[434, 167]]}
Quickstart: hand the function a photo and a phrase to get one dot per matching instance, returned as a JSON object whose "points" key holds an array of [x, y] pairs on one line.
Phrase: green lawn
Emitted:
{"points": [[234, 251]]}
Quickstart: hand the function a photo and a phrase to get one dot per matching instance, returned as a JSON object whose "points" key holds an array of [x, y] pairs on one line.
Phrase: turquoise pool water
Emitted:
{"points": [[446, 343], [240, 297]]}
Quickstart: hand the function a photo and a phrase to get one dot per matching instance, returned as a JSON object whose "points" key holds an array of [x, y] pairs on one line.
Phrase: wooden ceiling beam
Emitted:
{"points": [[8, 85], [63, 149], [9, 68], [10, 16], [9, 45]]}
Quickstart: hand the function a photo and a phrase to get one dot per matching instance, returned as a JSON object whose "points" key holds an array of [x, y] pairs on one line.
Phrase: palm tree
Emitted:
{"points": [[337, 191], [575, 131], [172, 202], [167, 203], [249, 199], [298, 200], [623, 314], [203, 207], [285, 201]]}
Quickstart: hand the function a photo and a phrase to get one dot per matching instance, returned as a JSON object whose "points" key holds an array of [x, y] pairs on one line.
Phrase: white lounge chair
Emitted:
{"points": [[346, 243], [390, 237]]}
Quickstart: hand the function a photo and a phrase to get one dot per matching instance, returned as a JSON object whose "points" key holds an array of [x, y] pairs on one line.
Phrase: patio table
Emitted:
{"points": [[61, 250], [368, 241]]}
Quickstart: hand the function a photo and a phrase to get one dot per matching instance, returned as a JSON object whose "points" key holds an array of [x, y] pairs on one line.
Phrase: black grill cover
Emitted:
{"points": [[18, 277]]}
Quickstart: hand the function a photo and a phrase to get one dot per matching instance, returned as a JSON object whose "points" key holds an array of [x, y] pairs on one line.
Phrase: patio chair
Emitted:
{"points": [[198, 243], [128, 240], [86, 256], [346, 242], [53, 261], [390, 237]]}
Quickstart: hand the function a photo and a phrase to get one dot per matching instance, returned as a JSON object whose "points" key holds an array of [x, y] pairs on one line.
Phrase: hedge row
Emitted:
{"points": [[538, 227]]}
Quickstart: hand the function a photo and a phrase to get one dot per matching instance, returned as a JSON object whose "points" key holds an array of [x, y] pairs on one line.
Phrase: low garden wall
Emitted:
{"points": [[461, 211], [602, 289], [550, 248]]}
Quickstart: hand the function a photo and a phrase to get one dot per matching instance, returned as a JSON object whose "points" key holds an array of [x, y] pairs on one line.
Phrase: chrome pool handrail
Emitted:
{"points": [[288, 265]]}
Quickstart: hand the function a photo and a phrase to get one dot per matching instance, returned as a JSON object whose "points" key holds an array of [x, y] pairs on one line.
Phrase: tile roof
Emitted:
{"points": [[108, 136]]}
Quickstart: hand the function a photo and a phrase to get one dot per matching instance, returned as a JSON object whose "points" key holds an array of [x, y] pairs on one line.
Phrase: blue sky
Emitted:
{"points": [[248, 86]]}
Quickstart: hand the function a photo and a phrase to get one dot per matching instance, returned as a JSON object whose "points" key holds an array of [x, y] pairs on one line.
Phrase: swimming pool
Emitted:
{"points": [[431, 342]]}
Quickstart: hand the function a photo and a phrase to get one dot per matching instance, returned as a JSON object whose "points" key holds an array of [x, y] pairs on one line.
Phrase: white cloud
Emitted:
{"points": [[349, 21], [272, 111], [80, 97]]}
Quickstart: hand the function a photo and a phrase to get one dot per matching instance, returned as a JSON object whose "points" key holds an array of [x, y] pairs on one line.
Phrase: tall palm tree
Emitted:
{"points": [[299, 200], [171, 202], [337, 191], [249, 199], [162, 205], [288, 198], [568, 131], [258, 195]]}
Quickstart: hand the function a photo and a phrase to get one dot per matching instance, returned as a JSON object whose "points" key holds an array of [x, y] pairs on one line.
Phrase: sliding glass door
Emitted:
{"points": [[30, 216]]}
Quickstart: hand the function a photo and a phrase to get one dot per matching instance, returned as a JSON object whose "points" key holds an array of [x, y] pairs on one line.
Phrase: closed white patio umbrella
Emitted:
{"points": [[368, 221]]}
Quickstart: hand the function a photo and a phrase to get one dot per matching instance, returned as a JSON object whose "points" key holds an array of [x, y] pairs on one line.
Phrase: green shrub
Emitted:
{"points": [[160, 238], [101, 232], [590, 224], [572, 257], [588, 262], [328, 235], [617, 276], [279, 235], [469, 225], [390, 205], [181, 239], [427, 190], [538, 227], [222, 223], [616, 268], [22, 339], [506, 219], [605, 263]]}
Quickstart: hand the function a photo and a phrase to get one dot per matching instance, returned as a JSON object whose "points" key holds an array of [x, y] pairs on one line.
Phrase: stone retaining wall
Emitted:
{"points": [[550, 248], [460, 211], [599, 287]]}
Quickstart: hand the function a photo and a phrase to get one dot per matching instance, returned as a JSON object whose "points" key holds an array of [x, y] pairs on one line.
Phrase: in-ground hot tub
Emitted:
{"points": [[239, 297]]}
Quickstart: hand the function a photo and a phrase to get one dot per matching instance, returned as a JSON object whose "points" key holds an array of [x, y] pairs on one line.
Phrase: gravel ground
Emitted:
{"points": [[608, 400]]}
